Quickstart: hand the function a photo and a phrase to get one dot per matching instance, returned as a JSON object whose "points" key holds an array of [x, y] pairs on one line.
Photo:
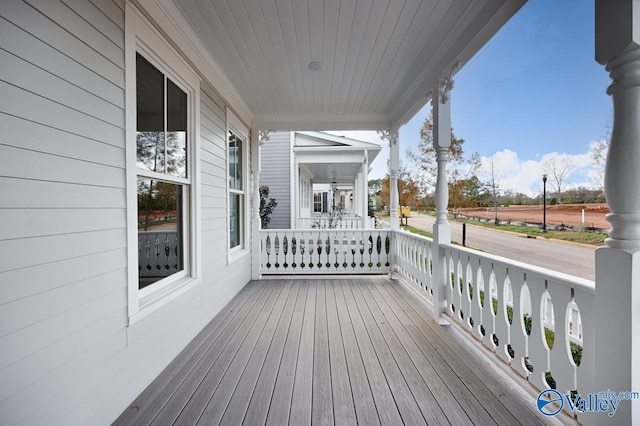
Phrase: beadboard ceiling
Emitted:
{"points": [[378, 59]]}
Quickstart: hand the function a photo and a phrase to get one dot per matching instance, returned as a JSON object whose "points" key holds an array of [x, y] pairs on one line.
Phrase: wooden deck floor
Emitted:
{"points": [[329, 351]]}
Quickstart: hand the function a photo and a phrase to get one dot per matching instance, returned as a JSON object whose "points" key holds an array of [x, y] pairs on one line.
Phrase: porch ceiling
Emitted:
{"points": [[342, 173], [378, 59]]}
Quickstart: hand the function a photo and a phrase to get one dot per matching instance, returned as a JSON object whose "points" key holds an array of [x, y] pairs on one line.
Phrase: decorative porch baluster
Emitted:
{"points": [[276, 249], [285, 251], [267, 244]]}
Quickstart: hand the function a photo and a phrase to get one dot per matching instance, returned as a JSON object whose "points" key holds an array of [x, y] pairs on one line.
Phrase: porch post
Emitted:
{"points": [[618, 264], [295, 192], [364, 190], [392, 135], [257, 139], [442, 228], [394, 161]]}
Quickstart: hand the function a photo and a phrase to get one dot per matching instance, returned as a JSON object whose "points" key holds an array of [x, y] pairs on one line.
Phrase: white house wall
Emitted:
{"points": [[67, 354], [276, 173]]}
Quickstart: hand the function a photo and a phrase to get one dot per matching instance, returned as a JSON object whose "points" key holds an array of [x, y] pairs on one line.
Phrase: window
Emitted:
{"points": [[320, 202], [236, 191], [317, 202], [162, 101], [163, 186], [237, 167], [304, 193]]}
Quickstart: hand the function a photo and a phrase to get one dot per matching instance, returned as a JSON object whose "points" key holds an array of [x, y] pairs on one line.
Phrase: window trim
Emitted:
{"points": [[235, 125], [141, 37]]}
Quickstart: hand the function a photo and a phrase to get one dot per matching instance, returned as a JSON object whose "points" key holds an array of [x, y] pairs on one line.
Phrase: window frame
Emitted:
{"points": [[235, 125], [317, 204], [142, 37]]}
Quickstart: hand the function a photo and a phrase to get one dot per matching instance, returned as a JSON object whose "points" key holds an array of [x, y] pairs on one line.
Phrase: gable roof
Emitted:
{"points": [[311, 141]]}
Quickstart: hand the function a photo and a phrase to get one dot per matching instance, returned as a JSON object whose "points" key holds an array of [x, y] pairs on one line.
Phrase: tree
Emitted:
{"points": [[152, 154], [425, 158], [408, 190], [598, 152], [267, 205], [468, 192], [375, 185], [494, 177], [374, 199], [558, 169]]}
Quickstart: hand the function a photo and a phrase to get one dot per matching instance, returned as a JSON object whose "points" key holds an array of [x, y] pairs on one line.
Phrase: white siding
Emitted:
{"points": [[275, 173], [67, 355]]}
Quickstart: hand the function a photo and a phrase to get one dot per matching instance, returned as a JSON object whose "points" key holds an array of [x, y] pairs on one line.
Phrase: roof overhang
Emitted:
{"points": [[328, 64]]}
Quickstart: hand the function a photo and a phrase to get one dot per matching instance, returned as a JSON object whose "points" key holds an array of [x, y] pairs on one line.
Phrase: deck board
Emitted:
{"points": [[322, 404], [364, 405], [277, 413], [329, 351], [386, 406], [303, 384]]}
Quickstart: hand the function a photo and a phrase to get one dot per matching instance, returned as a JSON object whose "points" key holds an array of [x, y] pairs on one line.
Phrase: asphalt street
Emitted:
{"points": [[569, 258]]}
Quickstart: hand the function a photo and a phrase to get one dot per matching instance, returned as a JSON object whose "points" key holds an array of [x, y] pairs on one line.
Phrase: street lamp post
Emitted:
{"points": [[544, 202]]}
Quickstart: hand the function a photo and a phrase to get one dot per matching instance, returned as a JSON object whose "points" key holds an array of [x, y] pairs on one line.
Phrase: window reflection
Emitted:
{"points": [[161, 141], [235, 215], [160, 217]]}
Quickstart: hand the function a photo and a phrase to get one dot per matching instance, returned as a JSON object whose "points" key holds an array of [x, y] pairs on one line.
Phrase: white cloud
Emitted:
{"points": [[525, 176]]}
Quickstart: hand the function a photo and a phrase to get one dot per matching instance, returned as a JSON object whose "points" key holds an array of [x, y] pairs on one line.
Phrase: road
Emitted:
{"points": [[573, 259]]}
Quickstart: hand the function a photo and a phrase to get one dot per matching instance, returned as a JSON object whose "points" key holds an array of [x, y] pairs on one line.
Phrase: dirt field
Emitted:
{"points": [[569, 214]]}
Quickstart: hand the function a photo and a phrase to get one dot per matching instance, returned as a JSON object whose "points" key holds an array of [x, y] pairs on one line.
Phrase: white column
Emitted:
{"points": [[394, 163], [364, 188], [617, 319], [257, 139], [392, 135], [355, 205], [295, 195], [441, 229]]}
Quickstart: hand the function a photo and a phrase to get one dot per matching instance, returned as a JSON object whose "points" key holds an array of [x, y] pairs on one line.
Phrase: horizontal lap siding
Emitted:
{"points": [[166, 332], [67, 355], [63, 295], [275, 173]]}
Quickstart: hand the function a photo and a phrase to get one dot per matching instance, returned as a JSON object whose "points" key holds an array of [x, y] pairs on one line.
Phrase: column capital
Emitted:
{"points": [[392, 135], [263, 136], [446, 84]]}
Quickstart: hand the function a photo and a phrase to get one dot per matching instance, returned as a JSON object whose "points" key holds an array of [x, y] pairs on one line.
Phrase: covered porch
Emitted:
{"points": [[358, 350], [84, 331]]}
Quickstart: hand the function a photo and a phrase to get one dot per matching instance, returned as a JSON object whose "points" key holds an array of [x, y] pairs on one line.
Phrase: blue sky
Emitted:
{"points": [[533, 92]]}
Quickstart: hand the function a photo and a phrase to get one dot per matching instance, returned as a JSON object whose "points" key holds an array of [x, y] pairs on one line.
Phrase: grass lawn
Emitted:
{"points": [[592, 238]]}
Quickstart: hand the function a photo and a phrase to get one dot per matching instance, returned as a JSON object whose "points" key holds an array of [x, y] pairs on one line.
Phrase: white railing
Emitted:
{"points": [[158, 253], [323, 222], [413, 259], [529, 317], [331, 251], [536, 320], [383, 224]]}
